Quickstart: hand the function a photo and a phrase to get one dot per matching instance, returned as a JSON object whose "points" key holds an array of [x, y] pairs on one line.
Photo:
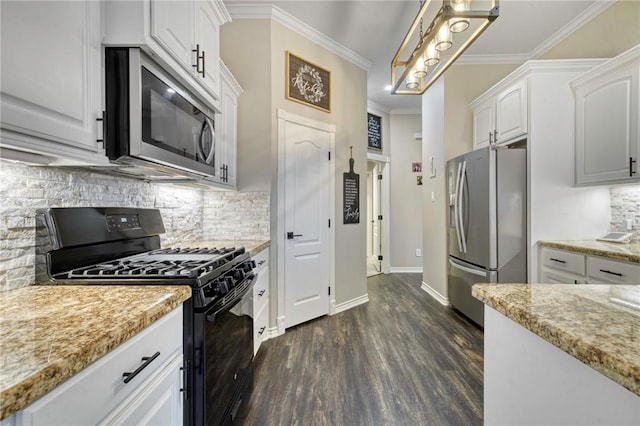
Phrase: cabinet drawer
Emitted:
{"points": [[563, 261], [260, 325], [557, 277], [261, 290], [612, 272], [98, 389], [261, 259]]}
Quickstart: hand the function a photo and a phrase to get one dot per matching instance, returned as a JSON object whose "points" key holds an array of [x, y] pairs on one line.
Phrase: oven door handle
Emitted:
{"points": [[211, 316]]}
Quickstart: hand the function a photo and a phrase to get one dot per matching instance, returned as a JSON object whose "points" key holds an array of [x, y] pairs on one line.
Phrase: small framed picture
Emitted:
{"points": [[416, 167], [419, 180], [308, 83]]}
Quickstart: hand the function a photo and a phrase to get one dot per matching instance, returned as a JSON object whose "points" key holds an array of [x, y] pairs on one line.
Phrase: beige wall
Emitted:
{"points": [[406, 195], [614, 31], [245, 50], [255, 52], [462, 85]]}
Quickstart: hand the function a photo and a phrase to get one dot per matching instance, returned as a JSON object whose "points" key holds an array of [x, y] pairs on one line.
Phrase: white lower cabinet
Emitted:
{"points": [[564, 267], [99, 394], [261, 300]]}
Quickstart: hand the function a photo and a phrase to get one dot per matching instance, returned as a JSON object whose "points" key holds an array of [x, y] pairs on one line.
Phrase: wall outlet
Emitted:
{"points": [[418, 252], [628, 220]]}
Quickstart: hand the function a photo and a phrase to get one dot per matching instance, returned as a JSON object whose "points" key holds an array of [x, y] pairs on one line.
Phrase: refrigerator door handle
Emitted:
{"points": [[469, 270], [456, 207], [463, 176]]}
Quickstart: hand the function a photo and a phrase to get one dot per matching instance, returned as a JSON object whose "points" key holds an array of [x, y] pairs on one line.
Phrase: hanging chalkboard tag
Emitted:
{"points": [[351, 194]]}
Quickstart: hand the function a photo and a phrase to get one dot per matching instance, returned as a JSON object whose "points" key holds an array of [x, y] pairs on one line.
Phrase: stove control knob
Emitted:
{"points": [[230, 281], [248, 266], [238, 274], [222, 287]]}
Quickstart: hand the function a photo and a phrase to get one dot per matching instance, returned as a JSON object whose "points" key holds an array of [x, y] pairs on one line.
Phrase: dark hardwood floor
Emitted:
{"points": [[401, 359]]}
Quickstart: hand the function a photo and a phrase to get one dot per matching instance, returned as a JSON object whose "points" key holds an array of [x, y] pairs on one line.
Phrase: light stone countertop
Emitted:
{"points": [[598, 325], [252, 246], [50, 333], [626, 252]]}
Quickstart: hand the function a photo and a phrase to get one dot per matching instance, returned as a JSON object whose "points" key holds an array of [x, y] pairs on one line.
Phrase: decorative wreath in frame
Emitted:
{"points": [[309, 83]]}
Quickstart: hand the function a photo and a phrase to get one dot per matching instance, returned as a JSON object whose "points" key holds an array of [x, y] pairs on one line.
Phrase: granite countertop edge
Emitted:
{"points": [[253, 247], [44, 379], [625, 252], [606, 363]]}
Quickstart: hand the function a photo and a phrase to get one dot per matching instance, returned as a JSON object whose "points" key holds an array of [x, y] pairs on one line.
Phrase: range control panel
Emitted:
{"points": [[122, 222]]}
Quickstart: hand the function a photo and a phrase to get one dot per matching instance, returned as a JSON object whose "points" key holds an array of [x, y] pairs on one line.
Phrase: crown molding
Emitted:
{"points": [[406, 111], [262, 11], [491, 59], [587, 15], [375, 107]]}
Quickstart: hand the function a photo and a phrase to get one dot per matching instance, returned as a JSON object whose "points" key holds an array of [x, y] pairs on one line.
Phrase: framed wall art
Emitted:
{"points": [[374, 131], [308, 83]]}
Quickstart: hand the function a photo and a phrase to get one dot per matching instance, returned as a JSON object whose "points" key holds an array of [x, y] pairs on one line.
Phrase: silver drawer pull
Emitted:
{"points": [[147, 360], [261, 330], [261, 262], [558, 260], [617, 274]]}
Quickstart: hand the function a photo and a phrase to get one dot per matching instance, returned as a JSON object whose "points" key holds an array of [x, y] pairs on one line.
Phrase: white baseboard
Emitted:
{"points": [[405, 269], [352, 303], [440, 298], [273, 332]]}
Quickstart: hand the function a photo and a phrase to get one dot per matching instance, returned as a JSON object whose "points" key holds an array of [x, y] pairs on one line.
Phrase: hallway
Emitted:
{"points": [[401, 359]]}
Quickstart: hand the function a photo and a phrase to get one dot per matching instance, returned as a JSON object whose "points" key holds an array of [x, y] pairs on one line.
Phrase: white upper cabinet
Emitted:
{"points": [[183, 36], [51, 96], [227, 129], [500, 115], [607, 124]]}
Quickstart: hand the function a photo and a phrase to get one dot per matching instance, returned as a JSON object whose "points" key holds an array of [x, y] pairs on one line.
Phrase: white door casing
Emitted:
{"points": [[383, 208], [306, 208]]}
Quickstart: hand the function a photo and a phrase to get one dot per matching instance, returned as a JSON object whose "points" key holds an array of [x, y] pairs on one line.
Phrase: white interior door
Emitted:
{"points": [[306, 224]]}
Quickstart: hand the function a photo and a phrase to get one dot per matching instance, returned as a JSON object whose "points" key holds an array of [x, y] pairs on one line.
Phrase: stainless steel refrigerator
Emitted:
{"points": [[487, 223]]}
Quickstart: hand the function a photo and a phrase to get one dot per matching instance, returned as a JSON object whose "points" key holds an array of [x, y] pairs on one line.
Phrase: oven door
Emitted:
{"points": [[224, 373]]}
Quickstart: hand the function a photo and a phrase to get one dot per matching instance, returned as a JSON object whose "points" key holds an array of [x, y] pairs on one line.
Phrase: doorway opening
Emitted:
{"points": [[377, 215]]}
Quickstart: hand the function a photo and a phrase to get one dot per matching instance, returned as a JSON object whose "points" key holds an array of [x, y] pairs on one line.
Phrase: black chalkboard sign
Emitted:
{"points": [[351, 196], [374, 130]]}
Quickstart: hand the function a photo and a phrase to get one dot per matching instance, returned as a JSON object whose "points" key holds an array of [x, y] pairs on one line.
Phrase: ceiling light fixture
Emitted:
{"points": [[453, 28]]}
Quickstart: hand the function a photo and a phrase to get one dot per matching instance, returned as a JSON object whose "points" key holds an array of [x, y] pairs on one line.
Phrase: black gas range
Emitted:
{"points": [[109, 246]]}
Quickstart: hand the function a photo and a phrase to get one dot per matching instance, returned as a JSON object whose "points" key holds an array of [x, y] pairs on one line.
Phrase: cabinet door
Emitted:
{"points": [[172, 28], [511, 112], [51, 72], [208, 37], [483, 123], [159, 402], [229, 119], [607, 136]]}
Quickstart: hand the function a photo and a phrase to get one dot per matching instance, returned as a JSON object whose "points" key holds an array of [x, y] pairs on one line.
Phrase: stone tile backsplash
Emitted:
{"points": [[625, 201], [188, 213]]}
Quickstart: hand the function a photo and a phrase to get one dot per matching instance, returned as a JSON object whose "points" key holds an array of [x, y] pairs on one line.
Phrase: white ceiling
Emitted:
{"points": [[373, 29]]}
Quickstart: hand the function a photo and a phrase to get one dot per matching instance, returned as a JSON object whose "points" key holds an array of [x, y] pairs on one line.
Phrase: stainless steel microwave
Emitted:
{"points": [[155, 129]]}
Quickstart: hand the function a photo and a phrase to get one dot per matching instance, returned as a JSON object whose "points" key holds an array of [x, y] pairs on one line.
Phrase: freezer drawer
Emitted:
{"points": [[461, 277]]}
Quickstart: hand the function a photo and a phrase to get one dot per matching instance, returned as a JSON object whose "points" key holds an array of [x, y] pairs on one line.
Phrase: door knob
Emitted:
{"points": [[290, 235]]}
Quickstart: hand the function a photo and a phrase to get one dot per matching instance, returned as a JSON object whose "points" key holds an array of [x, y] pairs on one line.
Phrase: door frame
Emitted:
{"points": [[283, 117], [385, 163]]}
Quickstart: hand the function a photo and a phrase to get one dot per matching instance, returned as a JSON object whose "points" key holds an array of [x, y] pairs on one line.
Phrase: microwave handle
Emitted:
{"points": [[208, 158]]}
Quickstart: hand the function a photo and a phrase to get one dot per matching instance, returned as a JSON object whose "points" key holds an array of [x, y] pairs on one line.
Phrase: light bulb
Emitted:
{"points": [[412, 81], [457, 25], [431, 55], [420, 69], [444, 38]]}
